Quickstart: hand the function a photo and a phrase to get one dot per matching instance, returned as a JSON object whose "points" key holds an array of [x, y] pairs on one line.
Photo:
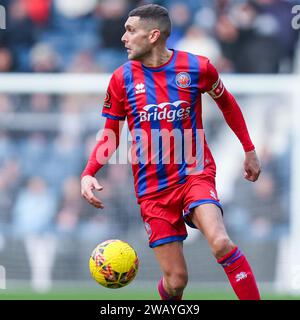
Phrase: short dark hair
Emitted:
{"points": [[158, 14]]}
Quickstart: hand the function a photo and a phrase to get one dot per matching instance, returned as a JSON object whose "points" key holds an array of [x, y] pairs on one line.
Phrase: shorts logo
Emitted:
{"points": [[212, 194], [183, 79], [148, 229]]}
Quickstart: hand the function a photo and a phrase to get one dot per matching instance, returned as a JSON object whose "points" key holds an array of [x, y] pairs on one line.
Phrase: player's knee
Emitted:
{"points": [[221, 245], [177, 280]]}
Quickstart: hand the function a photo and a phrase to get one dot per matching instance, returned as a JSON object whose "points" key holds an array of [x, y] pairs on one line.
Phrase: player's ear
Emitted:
{"points": [[154, 35]]}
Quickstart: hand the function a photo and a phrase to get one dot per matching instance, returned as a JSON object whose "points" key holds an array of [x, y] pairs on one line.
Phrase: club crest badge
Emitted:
{"points": [[183, 79]]}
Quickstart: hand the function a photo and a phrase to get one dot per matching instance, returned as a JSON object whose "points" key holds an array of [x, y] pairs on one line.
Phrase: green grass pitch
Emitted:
{"points": [[126, 294]]}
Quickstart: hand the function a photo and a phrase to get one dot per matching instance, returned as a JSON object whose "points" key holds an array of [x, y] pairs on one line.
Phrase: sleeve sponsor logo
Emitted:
{"points": [[107, 101]]}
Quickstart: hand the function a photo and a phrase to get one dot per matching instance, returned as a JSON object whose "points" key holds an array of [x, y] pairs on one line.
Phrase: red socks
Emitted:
{"points": [[238, 272], [240, 275], [164, 294]]}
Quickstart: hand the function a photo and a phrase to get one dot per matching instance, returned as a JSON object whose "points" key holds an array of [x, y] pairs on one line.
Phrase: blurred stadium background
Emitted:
{"points": [[56, 58]]}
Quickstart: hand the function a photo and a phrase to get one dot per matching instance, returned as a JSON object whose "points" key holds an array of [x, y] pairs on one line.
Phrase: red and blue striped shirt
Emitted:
{"points": [[167, 99]]}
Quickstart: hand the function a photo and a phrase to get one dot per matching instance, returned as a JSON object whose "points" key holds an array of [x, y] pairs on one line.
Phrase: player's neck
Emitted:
{"points": [[157, 57]]}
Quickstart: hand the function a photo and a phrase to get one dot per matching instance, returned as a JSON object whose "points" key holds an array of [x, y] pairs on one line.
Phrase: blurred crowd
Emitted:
{"points": [[242, 36], [42, 213], [40, 187]]}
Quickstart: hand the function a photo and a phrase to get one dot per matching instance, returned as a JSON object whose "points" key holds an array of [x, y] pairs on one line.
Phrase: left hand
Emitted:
{"points": [[251, 166]]}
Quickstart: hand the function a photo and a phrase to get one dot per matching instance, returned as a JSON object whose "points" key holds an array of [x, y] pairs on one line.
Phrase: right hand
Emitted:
{"points": [[88, 184], [251, 166]]}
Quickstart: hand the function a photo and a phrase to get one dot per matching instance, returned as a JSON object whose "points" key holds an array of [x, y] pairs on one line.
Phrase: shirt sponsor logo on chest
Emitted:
{"points": [[177, 110]]}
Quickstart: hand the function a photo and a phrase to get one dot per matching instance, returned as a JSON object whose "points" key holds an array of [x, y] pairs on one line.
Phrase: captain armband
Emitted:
{"points": [[217, 89]]}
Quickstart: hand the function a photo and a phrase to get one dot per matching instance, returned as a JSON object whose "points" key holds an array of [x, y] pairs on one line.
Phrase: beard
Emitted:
{"points": [[139, 55]]}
